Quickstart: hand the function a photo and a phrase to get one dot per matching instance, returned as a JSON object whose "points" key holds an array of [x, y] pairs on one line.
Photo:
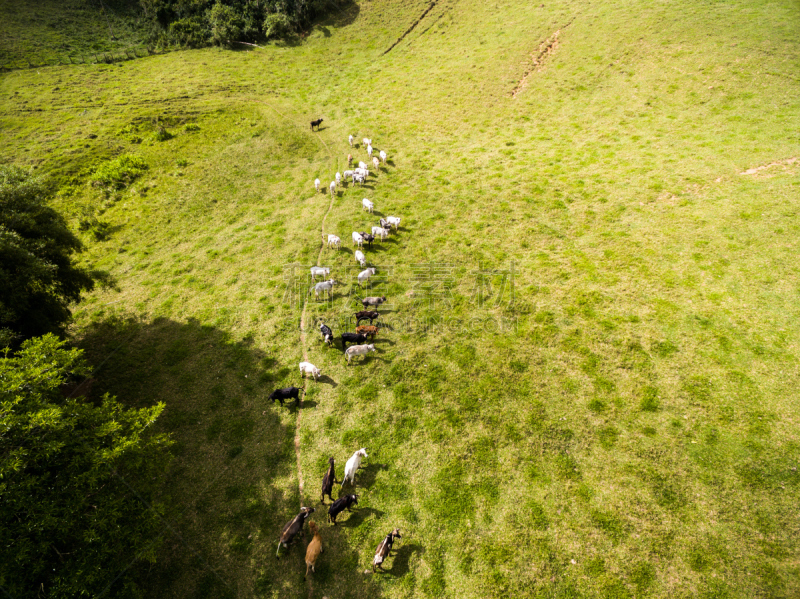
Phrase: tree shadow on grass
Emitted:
{"points": [[225, 494]]}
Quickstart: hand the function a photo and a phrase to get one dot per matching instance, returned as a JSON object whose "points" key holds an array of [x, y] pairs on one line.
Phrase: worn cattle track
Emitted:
{"points": [[413, 25], [546, 49], [300, 483]]}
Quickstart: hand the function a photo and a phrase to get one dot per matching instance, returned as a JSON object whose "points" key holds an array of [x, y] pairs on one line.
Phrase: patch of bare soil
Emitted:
{"points": [[539, 59], [756, 170]]}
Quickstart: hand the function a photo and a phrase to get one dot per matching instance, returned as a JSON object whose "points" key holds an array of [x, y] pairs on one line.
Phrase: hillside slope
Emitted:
{"points": [[624, 424]]}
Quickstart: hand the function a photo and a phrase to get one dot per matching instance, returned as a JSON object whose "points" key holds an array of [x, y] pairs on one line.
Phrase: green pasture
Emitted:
{"points": [[625, 424]]}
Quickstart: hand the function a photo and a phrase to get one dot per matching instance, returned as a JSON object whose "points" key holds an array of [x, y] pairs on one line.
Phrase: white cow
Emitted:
{"points": [[338, 178], [358, 350], [362, 165], [360, 258], [383, 156], [366, 142], [316, 184], [309, 368], [347, 174], [364, 275], [334, 241], [357, 239], [323, 287], [324, 271], [380, 232], [353, 464], [333, 188], [393, 220], [369, 151], [350, 139], [367, 205]]}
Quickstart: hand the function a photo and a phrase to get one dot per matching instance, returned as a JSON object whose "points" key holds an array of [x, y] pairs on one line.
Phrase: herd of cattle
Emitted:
{"points": [[358, 347]]}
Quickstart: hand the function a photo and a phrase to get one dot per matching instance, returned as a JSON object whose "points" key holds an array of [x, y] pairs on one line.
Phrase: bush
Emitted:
{"points": [[39, 277], [71, 521], [277, 26], [226, 24], [191, 31], [119, 172]]}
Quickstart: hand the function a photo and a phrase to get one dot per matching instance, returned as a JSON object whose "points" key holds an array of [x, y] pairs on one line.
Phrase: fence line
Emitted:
{"points": [[130, 53]]}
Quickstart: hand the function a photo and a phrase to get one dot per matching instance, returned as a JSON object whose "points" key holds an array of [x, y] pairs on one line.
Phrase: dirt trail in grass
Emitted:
{"points": [[300, 483], [546, 49], [410, 29]]}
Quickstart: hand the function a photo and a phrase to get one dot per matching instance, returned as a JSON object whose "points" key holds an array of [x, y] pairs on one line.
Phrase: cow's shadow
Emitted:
{"points": [[366, 475], [400, 565], [325, 379]]}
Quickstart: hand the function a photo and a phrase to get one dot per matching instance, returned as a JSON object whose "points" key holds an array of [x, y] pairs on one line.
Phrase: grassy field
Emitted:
{"points": [[625, 424], [63, 31]]}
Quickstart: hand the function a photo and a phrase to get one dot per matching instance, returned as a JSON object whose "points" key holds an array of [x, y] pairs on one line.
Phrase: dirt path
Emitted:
{"points": [[300, 482], [410, 29]]}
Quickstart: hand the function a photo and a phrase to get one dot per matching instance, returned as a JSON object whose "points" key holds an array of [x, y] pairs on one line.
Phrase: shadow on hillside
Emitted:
{"points": [[225, 499], [338, 15]]}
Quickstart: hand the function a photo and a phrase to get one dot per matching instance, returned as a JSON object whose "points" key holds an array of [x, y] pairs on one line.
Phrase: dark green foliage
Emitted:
{"points": [[225, 22], [119, 172], [77, 480], [38, 276]]}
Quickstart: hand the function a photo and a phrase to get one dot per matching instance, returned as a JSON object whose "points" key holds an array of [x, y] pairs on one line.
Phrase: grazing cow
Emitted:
{"points": [[357, 239], [316, 124], [338, 178], [367, 205], [350, 140], [320, 270], [352, 338], [328, 481], [380, 232], [369, 151], [353, 464], [316, 184], [327, 333], [369, 331], [362, 165], [360, 258], [383, 550], [358, 350], [283, 395], [314, 549], [357, 178], [393, 220], [372, 301], [366, 142], [384, 223], [294, 526], [340, 505], [375, 162], [367, 237], [367, 315], [322, 287], [383, 156], [349, 159], [332, 187], [364, 275], [347, 175], [309, 368], [334, 241]]}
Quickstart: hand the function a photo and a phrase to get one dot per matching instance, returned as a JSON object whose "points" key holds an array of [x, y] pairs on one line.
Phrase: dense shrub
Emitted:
{"points": [[38, 275], [77, 480], [119, 172], [223, 22]]}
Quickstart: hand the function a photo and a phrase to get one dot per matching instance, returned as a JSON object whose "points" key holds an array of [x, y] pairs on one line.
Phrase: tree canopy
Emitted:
{"points": [[77, 480], [38, 274]]}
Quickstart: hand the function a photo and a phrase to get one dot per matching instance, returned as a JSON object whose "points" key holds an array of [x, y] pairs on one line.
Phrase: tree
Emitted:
{"points": [[38, 276], [77, 480]]}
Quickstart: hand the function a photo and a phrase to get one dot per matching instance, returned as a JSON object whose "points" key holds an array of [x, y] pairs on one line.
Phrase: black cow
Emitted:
{"points": [[327, 482], [316, 124], [283, 394], [367, 237], [353, 338], [366, 315], [339, 506], [327, 334], [294, 526]]}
